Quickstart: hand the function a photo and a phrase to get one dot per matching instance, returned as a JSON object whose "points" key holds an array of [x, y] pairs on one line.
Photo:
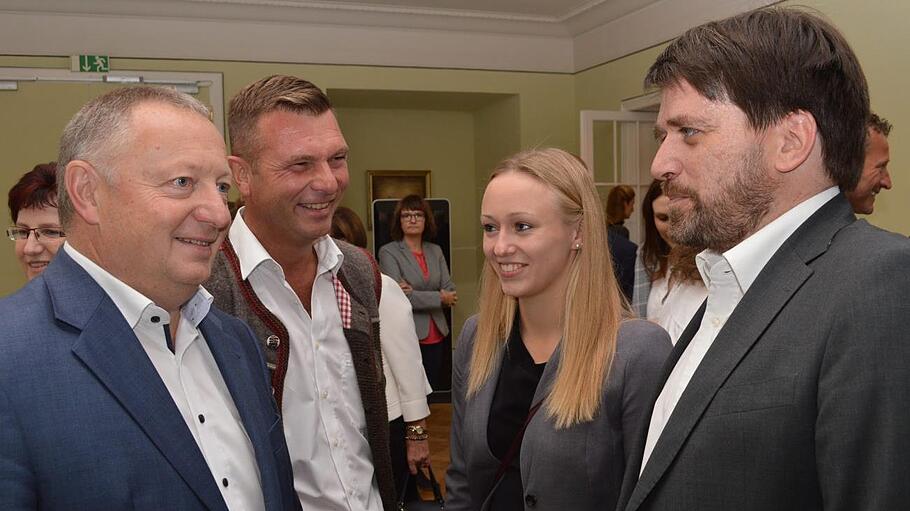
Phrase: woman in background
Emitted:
{"points": [[33, 209], [406, 385], [420, 268], [669, 289], [551, 336], [620, 205]]}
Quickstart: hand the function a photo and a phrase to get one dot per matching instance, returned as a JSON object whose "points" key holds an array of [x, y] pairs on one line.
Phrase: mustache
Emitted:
{"points": [[673, 190]]}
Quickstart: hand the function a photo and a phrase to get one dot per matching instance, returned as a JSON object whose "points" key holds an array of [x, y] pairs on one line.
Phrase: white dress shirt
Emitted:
{"points": [[194, 382], [727, 277], [324, 421], [673, 309]]}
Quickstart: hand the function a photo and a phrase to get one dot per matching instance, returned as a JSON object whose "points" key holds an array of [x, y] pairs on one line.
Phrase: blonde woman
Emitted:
{"points": [[551, 349]]}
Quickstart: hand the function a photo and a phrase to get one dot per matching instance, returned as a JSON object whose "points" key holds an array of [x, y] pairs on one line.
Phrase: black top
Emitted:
{"points": [[518, 379]]}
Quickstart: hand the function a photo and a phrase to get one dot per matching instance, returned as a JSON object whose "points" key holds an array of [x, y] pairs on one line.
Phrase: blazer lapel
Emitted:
{"points": [[633, 468], [477, 428], [110, 350], [408, 256], [238, 379], [784, 274]]}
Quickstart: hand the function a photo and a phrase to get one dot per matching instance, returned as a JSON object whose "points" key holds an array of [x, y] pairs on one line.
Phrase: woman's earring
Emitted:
{"points": [[578, 246]]}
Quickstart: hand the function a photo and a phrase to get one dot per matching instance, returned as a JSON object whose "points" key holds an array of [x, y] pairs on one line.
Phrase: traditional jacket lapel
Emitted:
{"points": [[110, 350], [784, 274]]}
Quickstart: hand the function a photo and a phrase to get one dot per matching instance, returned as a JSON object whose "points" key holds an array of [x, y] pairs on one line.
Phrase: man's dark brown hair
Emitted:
{"points": [[770, 63], [276, 92]]}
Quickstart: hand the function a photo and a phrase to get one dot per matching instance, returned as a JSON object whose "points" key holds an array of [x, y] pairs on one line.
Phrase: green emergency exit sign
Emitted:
{"points": [[91, 63]]}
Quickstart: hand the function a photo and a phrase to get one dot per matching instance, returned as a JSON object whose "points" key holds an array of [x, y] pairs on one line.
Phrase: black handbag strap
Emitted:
{"points": [[434, 484], [515, 447]]}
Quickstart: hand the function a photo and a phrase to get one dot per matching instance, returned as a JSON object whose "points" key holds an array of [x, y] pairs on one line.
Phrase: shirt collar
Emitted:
{"points": [[749, 257], [132, 303], [253, 255]]}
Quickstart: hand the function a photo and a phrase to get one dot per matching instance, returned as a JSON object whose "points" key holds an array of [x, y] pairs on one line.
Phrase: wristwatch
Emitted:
{"points": [[415, 433]]}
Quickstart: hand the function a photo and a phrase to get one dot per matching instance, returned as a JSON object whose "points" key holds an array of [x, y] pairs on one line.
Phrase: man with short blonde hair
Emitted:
{"points": [[311, 300]]}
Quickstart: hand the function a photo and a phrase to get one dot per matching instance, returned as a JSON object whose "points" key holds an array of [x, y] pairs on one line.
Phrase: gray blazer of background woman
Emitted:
{"points": [[579, 468], [396, 261]]}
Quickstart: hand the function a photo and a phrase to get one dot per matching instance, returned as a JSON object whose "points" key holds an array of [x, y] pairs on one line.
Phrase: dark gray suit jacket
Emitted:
{"points": [[803, 401], [575, 469], [396, 261]]}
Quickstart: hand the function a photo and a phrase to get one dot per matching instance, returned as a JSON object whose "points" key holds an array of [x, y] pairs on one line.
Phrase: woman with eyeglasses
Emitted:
{"points": [[421, 270], [33, 208]]}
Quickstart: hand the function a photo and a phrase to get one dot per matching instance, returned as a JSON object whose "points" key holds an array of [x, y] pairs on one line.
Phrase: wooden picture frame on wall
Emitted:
{"points": [[395, 184]]}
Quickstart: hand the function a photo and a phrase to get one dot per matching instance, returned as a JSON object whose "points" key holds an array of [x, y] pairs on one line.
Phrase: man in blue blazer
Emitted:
{"points": [[120, 386]]}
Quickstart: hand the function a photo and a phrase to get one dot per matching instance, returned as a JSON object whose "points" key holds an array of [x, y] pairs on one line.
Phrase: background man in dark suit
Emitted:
{"points": [[790, 389], [120, 386]]}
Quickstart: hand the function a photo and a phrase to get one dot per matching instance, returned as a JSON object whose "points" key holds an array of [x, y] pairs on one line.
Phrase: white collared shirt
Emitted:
{"points": [[194, 382], [324, 421], [727, 277]]}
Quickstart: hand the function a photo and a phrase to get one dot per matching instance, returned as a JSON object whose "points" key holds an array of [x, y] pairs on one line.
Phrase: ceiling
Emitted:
{"points": [[562, 36]]}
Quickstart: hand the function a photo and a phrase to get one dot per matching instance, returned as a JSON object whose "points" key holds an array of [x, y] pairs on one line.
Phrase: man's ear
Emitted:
{"points": [[82, 181], [242, 171], [792, 140]]}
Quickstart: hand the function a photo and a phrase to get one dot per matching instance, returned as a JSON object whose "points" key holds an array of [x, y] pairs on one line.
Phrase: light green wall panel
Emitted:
{"points": [[439, 141]]}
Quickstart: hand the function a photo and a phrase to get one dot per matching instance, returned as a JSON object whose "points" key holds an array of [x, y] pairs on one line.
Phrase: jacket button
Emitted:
{"points": [[273, 342], [530, 500]]}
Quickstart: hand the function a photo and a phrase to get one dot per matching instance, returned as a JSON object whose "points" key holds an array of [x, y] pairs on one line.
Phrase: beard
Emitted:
{"points": [[720, 222]]}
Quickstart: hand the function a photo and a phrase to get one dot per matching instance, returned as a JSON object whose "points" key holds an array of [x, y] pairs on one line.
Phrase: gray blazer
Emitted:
{"points": [[577, 469], [803, 400], [396, 261]]}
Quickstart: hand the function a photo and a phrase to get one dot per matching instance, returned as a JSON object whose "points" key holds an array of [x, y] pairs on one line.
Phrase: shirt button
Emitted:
{"points": [[715, 322], [224, 482], [201, 419], [324, 394], [334, 443], [531, 500]]}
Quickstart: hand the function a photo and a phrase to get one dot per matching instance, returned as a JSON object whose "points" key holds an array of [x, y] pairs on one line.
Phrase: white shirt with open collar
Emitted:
{"points": [[324, 420]]}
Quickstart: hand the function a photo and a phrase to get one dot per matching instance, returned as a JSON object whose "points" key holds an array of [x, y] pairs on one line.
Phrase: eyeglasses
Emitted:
{"points": [[20, 233], [413, 216]]}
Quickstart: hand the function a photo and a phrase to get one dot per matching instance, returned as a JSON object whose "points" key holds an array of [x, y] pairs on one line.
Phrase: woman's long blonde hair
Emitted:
{"points": [[593, 307]]}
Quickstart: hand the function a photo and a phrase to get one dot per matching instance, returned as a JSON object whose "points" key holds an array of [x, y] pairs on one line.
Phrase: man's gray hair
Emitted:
{"points": [[101, 129]]}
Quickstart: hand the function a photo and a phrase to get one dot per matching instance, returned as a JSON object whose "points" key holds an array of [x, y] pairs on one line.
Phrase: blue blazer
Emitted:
{"points": [[87, 423]]}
